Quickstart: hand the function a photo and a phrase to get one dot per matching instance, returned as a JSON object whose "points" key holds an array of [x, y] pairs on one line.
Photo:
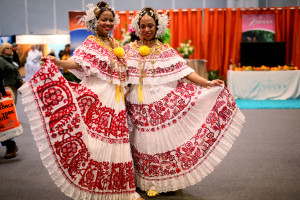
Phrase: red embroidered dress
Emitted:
{"points": [[181, 131], [81, 129]]}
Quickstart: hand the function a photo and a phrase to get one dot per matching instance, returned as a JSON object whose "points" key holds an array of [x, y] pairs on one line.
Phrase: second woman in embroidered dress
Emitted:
{"points": [[179, 131]]}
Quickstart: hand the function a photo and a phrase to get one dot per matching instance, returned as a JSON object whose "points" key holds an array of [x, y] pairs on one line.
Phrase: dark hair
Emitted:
{"points": [[149, 11], [103, 6], [60, 54], [67, 52]]}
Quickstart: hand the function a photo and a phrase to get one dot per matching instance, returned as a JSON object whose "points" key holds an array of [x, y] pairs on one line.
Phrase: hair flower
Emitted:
{"points": [[119, 52], [91, 17], [144, 50]]}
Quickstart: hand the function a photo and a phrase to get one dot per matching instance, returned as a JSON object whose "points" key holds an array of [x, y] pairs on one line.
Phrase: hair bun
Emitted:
{"points": [[102, 4], [148, 8]]}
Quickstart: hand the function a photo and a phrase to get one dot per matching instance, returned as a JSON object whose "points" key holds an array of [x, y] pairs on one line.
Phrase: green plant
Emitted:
{"points": [[264, 36], [213, 74], [166, 38], [186, 49]]}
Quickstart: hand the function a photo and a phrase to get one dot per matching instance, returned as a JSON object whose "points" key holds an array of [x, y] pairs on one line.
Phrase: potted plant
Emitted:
{"points": [[186, 49]]}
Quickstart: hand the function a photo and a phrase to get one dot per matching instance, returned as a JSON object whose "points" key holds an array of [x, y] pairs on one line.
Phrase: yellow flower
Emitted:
{"points": [[144, 50], [285, 67], [119, 51], [152, 193]]}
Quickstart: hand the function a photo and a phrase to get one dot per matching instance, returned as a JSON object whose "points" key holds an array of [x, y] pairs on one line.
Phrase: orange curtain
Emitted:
{"points": [[222, 38], [187, 25], [124, 20], [233, 37], [295, 58], [214, 43], [288, 30]]}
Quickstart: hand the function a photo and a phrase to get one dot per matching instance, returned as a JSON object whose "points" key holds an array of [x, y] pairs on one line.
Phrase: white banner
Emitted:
{"points": [[262, 85]]}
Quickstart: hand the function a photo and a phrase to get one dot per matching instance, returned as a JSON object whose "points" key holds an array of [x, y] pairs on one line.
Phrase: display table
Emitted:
{"points": [[198, 65], [262, 85]]}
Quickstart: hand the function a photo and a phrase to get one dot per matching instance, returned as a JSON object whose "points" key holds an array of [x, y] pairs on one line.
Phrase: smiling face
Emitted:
{"points": [[106, 23], [148, 27]]}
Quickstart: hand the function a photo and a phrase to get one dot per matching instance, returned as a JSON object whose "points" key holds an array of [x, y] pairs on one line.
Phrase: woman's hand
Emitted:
{"points": [[216, 82], [52, 58]]}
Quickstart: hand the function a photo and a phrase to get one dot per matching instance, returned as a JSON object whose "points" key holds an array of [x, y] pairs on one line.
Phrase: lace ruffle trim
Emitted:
{"points": [[216, 155], [159, 78], [169, 66], [94, 61]]}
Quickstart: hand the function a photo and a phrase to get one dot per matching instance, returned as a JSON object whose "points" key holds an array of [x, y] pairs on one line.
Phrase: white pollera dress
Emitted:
{"points": [[81, 129], [179, 132]]}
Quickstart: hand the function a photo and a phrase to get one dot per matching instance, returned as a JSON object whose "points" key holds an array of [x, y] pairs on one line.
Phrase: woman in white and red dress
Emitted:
{"points": [[81, 129], [180, 131]]}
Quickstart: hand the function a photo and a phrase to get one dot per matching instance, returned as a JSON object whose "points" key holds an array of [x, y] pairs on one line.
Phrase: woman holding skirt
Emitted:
{"points": [[179, 131], [81, 129]]}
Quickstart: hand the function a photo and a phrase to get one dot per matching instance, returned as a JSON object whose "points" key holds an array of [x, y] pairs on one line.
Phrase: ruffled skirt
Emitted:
{"points": [[180, 133], [82, 134]]}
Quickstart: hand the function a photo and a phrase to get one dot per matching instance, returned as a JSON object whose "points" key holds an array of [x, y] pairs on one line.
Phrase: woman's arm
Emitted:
{"points": [[66, 64], [195, 78]]}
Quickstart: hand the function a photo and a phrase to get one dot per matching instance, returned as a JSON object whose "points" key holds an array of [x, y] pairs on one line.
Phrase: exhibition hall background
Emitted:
{"points": [[213, 26]]}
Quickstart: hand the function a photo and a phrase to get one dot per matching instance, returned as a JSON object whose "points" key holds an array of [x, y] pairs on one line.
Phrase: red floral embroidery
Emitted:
{"points": [[133, 71], [97, 48], [192, 153], [165, 111], [102, 121], [59, 111]]}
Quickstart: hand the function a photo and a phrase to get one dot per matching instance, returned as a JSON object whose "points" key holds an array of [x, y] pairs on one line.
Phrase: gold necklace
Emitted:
{"points": [[120, 70], [142, 64], [151, 53], [111, 52]]}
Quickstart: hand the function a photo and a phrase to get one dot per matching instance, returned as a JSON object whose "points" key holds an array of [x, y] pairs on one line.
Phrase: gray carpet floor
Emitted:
{"points": [[264, 164]]}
